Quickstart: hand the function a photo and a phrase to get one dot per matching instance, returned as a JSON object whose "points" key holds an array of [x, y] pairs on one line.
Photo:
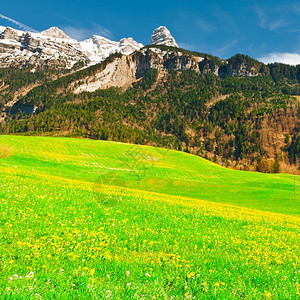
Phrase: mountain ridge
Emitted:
{"points": [[238, 112], [54, 47]]}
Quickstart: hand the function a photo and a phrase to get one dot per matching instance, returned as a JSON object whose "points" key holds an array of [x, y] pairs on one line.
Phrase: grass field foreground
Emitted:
{"points": [[90, 219]]}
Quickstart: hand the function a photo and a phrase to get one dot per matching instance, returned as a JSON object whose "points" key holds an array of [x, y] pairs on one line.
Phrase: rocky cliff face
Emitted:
{"points": [[122, 72], [171, 59], [242, 65]]}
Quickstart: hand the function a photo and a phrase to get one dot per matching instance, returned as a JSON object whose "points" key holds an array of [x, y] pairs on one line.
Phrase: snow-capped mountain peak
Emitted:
{"points": [[55, 32], [129, 45], [98, 47], [162, 36]]}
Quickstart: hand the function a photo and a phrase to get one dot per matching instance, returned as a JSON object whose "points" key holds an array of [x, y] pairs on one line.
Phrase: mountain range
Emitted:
{"points": [[238, 112], [53, 47]]}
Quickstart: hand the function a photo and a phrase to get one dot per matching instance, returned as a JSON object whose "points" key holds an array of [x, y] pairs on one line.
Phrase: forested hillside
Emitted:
{"points": [[249, 123]]}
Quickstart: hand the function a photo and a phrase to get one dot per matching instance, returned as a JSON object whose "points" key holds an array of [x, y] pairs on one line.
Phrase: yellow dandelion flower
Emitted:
{"points": [[268, 295], [92, 272]]}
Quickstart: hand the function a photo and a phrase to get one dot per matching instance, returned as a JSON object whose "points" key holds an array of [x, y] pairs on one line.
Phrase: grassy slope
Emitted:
{"points": [[80, 238], [151, 169]]}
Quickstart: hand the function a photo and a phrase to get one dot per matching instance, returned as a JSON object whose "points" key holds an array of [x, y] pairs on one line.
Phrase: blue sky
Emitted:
{"points": [[267, 30]]}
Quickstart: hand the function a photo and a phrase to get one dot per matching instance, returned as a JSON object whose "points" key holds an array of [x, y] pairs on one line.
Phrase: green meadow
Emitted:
{"points": [[104, 220]]}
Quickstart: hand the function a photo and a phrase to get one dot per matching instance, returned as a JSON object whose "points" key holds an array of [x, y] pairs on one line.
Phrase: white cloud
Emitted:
{"points": [[205, 26], [186, 46], [261, 16], [80, 34], [19, 24], [278, 24], [285, 58], [101, 30], [222, 51], [272, 23]]}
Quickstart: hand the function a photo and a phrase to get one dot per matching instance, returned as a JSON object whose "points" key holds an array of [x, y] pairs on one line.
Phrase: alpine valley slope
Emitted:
{"points": [[238, 112], [149, 169], [94, 219]]}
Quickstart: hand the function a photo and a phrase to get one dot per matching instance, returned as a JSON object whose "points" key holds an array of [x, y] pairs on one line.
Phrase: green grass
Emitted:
{"points": [[152, 169], [104, 220]]}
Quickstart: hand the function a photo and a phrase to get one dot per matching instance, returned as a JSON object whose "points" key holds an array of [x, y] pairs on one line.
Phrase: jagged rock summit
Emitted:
{"points": [[55, 32], [162, 36]]}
